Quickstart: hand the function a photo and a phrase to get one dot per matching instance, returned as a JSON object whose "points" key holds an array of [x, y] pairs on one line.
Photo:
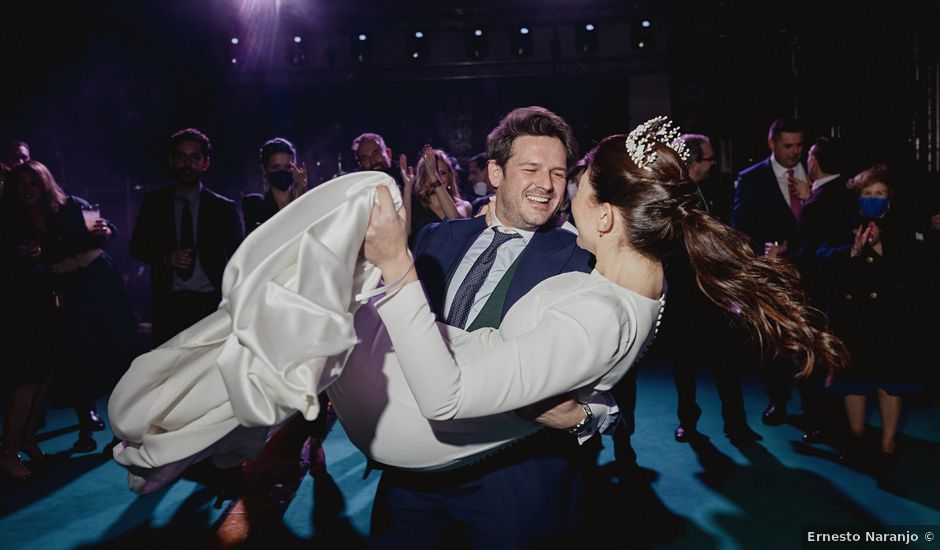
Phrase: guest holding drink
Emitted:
{"points": [[94, 331]]}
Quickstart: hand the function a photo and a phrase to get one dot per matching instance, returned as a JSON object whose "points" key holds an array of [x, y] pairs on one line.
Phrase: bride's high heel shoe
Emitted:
{"points": [[10, 463]]}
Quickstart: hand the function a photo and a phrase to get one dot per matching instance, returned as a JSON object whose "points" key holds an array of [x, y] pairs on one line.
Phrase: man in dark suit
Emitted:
{"points": [[824, 217], [769, 195], [700, 333], [530, 491], [767, 202], [825, 214], [186, 234]]}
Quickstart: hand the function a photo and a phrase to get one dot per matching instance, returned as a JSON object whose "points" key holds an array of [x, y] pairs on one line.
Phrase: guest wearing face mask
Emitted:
{"points": [[875, 281], [286, 181]]}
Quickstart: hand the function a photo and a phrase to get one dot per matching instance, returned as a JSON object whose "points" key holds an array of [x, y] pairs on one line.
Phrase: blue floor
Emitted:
{"points": [[709, 494]]}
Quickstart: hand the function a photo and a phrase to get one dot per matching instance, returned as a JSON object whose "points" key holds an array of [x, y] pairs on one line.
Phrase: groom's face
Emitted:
{"points": [[532, 184]]}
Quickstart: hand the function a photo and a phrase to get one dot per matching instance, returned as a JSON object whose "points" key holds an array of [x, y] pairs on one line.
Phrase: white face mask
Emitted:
{"points": [[479, 188], [572, 190]]}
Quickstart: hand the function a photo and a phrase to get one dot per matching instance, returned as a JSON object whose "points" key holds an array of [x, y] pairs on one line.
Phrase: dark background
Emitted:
{"points": [[96, 88]]}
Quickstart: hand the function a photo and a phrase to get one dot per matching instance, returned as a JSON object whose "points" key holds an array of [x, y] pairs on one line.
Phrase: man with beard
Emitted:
{"points": [[372, 154], [186, 234]]}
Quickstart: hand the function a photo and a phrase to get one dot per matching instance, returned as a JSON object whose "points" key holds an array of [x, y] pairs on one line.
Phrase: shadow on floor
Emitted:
{"points": [[913, 479], [188, 528], [775, 502], [627, 513], [47, 477]]}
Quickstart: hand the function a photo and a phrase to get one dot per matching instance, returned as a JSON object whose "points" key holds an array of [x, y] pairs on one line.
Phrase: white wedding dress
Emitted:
{"points": [[280, 335], [290, 326]]}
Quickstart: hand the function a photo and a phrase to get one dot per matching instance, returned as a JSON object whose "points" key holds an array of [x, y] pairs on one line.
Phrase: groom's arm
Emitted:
{"points": [[564, 411]]}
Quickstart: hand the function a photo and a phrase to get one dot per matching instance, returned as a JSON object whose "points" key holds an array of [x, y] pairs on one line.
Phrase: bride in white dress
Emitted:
{"points": [[581, 331], [417, 394]]}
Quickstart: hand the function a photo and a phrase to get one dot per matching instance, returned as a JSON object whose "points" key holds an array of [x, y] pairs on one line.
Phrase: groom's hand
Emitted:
{"points": [[560, 412]]}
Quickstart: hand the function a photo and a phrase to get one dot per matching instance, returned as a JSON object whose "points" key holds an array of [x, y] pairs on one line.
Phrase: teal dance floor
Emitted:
{"points": [[704, 495]]}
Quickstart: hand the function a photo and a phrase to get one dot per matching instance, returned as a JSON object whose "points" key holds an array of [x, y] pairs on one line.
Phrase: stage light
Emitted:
{"points": [[585, 39], [417, 46], [521, 42], [361, 49], [478, 46], [233, 50], [297, 51], [641, 34]]}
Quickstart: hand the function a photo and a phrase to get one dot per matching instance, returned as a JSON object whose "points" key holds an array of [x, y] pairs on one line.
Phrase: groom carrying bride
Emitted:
{"points": [[473, 273]]}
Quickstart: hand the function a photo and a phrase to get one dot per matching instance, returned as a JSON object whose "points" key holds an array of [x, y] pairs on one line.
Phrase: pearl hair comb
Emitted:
{"points": [[644, 137]]}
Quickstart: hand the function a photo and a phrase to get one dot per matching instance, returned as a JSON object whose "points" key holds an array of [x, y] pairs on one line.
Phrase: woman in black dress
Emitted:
{"points": [[94, 334], [874, 288], [28, 313]]}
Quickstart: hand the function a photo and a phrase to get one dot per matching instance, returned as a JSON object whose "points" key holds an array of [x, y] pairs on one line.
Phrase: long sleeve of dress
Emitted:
{"points": [[576, 340]]}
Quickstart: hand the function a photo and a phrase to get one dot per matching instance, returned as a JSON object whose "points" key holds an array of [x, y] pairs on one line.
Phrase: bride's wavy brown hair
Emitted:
{"points": [[764, 295]]}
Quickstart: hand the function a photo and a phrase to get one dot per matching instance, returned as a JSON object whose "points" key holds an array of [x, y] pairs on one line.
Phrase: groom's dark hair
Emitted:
{"points": [[529, 121]]}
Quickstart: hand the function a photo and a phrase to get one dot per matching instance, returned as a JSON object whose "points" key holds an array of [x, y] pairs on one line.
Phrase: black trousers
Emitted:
{"points": [[527, 496], [701, 337], [176, 311]]}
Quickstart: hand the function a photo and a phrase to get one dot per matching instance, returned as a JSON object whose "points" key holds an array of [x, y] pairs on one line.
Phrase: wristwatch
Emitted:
{"points": [[585, 424]]}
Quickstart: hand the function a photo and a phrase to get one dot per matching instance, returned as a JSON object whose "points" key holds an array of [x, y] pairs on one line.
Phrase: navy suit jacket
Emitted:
{"points": [[541, 488], [761, 211], [440, 247], [823, 219]]}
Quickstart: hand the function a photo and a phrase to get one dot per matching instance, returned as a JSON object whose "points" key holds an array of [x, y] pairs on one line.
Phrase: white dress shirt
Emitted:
{"points": [[780, 172], [505, 256], [823, 181], [605, 409], [198, 281]]}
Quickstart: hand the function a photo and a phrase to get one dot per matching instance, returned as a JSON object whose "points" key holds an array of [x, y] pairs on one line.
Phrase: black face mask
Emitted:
{"points": [[281, 180]]}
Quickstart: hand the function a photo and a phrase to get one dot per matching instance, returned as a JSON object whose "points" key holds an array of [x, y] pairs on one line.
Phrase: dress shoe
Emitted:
{"points": [[91, 421], [742, 434], [774, 415], [12, 464], [85, 444], [33, 451], [683, 434]]}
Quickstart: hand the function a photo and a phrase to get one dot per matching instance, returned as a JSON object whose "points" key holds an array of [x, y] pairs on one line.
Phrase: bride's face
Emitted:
{"points": [[583, 208]]}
